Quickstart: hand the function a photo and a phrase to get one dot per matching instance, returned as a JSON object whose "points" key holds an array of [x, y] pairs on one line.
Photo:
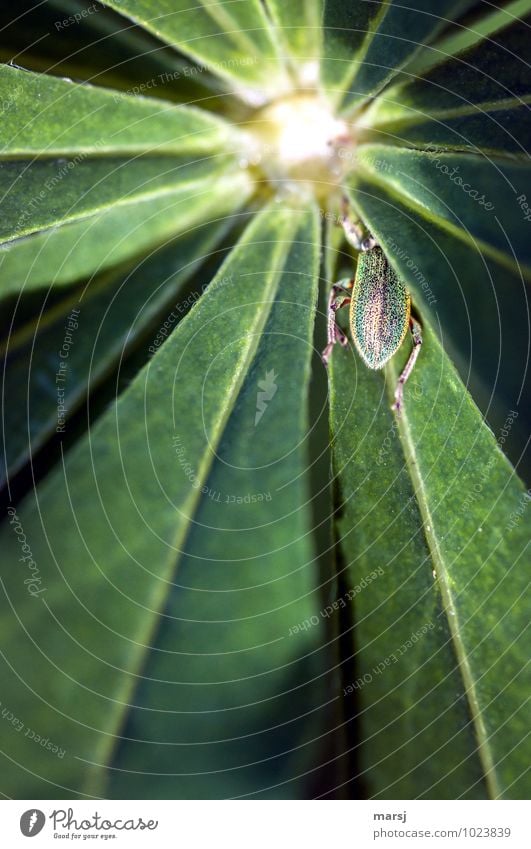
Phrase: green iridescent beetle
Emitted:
{"points": [[380, 309]]}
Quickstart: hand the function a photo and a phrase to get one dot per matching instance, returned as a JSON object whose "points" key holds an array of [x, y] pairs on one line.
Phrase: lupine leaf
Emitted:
{"points": [[46, 116], [479, 302], [478, 100], [178, 605], [176, 617], [433, 538], [111, 313], [82, 247], [463, 36], [85, 41], [473, 197], [299, 25], [233, 40], [366, 44]]}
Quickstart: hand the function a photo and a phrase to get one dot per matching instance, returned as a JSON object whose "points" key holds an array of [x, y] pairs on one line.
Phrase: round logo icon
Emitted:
{"points": [[32, 822]]}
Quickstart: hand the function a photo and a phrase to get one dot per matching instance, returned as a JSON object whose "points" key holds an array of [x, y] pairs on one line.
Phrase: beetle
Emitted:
{"points": [[380, 308]]}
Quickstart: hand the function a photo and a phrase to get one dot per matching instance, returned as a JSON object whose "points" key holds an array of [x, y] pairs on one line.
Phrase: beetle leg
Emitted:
{"points": [[354, 232], [416, 332], [339, 297]]}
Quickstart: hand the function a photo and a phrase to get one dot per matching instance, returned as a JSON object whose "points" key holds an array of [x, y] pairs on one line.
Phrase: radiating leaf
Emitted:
{"points": [[478, 100], [45, 194], [84, 211], [347, 31], [85, 41], [77, 249], [432, 533], [110, 313], [166, 600], [481, 304], [299, 26], [461, 36], [234, 40], [366, 44], [46, 116], [473, 197], [168, 626]]}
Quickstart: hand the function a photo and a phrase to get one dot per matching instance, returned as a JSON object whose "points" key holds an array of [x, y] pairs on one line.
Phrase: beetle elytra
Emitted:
{"points": [[380, 309]]}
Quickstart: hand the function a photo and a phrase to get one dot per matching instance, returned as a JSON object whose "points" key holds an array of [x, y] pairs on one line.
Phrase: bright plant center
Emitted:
{"points": [[301, 144]]}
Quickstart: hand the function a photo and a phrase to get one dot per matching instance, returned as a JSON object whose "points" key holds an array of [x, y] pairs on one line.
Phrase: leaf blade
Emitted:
{"points": [[465, 291], [474, 197], [114, 451], [440, 418], [79, 248], [477, 100], [113, 313], [299, 25], [234, 40], [381, 34], [43, 115], [412, 720]]}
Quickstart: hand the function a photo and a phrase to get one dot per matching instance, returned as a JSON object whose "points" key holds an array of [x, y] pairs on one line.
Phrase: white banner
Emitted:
{"points": [[264, 824]]}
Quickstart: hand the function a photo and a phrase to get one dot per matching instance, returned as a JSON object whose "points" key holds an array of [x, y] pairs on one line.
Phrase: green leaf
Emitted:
{"points": [[234, 40], [477, 100], [473, 197], [479, 302], [462, 36], [169, 622], [432, 534], [299, 26], [366, 44], [46, 194], [111, 313], [347, 30], [79, 248], [86, 210], [83, 40], [45, 116], [164, 604]]}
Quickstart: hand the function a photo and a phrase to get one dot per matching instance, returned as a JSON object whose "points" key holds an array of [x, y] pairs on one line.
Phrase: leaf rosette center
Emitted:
{"points": [[300, 143]]}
